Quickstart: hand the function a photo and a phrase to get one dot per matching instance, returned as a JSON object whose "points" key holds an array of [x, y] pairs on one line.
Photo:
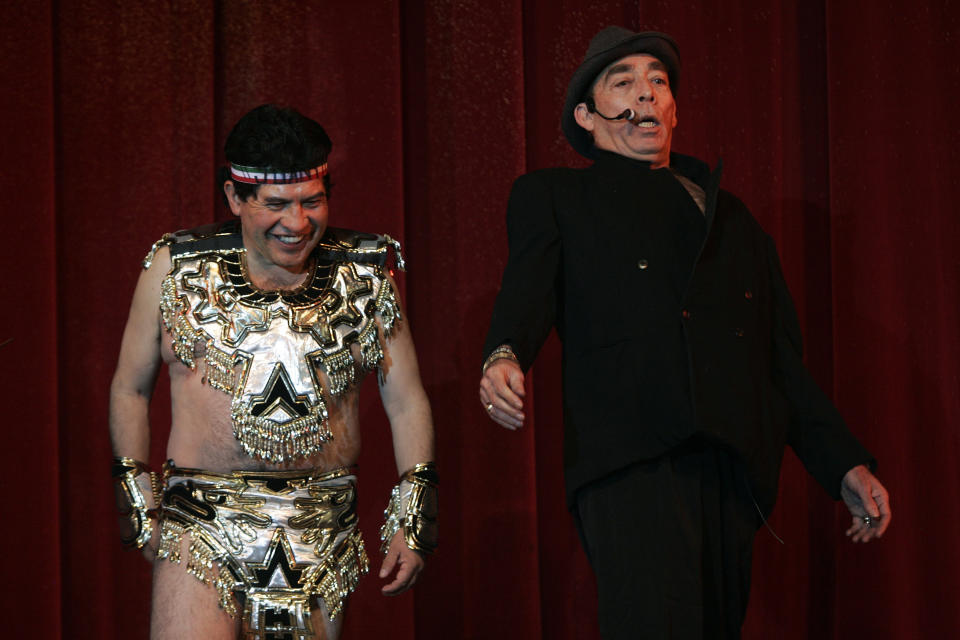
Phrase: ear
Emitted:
{"points": [[232, 198], [583, 116], [675, 112]]}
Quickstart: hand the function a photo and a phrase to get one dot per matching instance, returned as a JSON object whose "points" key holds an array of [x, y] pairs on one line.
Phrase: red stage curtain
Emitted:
{"points": [[833, 120]]}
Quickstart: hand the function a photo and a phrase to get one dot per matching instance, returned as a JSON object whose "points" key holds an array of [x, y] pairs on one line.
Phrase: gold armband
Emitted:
{"points": [[136, 493], [504, 351], [413, 505]]}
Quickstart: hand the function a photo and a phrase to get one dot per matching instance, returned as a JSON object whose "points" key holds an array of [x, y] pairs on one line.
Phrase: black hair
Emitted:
{"points": [[278, 139]]}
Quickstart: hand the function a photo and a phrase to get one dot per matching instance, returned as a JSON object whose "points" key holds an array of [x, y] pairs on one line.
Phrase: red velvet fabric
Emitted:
{"points": [[833, 120]]}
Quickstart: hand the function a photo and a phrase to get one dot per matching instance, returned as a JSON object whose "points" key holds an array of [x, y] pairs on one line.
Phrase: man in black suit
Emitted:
{"points": [[682, 370]]}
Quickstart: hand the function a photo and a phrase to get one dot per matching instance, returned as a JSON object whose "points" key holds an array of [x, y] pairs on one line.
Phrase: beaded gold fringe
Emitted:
{"points": [[265, 439], [340, 370], [221, 368], [171, 534], [371, 351], [387, 306], [338, 575], [202, 563]]}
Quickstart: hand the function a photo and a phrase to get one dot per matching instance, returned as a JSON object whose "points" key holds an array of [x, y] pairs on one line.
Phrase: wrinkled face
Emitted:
{"points": [[281, 225], [637, 82]]}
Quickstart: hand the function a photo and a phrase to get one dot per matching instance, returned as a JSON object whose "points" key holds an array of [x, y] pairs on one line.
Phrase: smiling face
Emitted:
{"points": [[281, 226], [637, 82]]}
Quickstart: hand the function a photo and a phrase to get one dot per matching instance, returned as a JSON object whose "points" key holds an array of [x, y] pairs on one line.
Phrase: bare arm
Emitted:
{"points": [[405, 401], [411, 423], [137, 365], [130, 394]]}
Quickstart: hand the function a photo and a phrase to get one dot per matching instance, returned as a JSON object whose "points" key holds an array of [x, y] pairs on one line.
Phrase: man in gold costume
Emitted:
{"points": [[267, 324]]}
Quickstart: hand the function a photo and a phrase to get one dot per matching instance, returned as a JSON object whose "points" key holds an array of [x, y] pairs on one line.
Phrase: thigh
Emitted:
{"points": [[184, 607], [323, 627], [642, 531]]}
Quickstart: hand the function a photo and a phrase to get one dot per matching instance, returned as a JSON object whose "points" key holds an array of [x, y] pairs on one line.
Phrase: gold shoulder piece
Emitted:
{"points": [[165, 241], [401, 263]]}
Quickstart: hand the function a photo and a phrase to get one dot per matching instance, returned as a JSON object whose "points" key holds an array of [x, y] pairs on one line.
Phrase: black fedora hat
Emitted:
{"points": [[608, 46]]}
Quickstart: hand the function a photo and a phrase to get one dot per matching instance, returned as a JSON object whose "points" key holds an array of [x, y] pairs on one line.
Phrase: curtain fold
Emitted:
{"points": [[893, 173], [835, 125], [29, 365]]}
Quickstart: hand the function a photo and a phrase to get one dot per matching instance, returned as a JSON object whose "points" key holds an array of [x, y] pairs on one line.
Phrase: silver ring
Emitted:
{"points": [[489, 407], [868, 521]]}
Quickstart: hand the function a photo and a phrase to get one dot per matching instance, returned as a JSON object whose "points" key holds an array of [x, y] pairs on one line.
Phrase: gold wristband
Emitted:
{"points": [[135, 488], [414, 506]]}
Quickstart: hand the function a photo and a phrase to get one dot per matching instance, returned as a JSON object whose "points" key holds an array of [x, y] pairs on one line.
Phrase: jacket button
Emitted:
{"points": [[748, 294], [642, 264], [685, 314]]}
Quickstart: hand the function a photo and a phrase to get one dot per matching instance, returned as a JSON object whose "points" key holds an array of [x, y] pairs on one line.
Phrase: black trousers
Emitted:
{"points": [[670, 542]]}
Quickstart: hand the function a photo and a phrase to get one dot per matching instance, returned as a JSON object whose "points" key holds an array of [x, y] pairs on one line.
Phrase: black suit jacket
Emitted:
{"points": [[674, 324]]}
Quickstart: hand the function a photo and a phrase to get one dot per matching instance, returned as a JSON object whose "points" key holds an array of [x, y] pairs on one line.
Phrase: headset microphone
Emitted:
{"points": [[627, 114]]}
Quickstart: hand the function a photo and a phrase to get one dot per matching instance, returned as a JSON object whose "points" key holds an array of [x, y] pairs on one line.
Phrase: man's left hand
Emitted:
{"points": [[868, 503], [406, 561]]}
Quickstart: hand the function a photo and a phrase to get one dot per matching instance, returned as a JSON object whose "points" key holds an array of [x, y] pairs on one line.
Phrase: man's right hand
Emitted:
{"points": [[501, 393]]}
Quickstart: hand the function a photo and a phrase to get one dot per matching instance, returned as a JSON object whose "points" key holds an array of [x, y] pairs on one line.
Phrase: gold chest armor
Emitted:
{"points": [[267, 349]]}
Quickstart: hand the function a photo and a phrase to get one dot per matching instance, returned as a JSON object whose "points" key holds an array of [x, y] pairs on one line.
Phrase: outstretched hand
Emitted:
{"points": [[407, 562], [501, 393], [868, 503]]}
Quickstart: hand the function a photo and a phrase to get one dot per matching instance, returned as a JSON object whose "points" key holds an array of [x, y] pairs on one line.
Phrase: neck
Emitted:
{"points": [[277, 278]]}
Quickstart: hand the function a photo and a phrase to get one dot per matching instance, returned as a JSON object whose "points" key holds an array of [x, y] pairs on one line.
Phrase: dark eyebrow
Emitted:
{"points": [[316, 196], [656, 65], [621, 67], [277, 200]]}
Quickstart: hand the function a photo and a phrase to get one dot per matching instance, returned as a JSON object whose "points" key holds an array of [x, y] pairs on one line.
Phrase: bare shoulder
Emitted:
{"points": [[146, 297], [143, 324]]}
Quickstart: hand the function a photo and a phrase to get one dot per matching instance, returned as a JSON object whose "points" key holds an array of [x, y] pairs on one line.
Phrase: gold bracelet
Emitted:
{"points": [[504, 351], [413, 506], [136, 490]]}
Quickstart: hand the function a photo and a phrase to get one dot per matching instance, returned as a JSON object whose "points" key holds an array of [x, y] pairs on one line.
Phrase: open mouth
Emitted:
{"points": [[648, 122], [290, 240]]}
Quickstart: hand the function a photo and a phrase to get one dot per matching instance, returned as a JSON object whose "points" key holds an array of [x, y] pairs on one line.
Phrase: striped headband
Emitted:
{"points": [[257, 175]]}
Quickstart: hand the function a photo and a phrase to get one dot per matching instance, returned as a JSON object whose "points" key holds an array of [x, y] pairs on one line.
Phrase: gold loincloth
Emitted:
{"points": [[267, 540]]}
